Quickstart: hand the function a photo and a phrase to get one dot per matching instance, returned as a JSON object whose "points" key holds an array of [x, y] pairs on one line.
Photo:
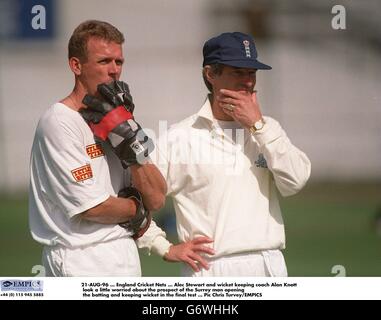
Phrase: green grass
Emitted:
{"points": [[326, 225], [333, 225], [18, 251]]}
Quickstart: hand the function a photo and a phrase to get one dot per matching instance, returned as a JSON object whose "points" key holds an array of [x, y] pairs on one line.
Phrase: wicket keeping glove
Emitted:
{"points": [[112, 120], [143, 217]]}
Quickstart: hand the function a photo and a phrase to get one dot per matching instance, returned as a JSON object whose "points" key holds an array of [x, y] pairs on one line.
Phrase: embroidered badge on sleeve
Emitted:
{"points": [[94, 150], [82, 173]]}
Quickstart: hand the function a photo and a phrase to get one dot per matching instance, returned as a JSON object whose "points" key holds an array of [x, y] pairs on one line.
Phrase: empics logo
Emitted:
{"points": [[6, 284], [94, 150], [22, 285], [82, 173]]}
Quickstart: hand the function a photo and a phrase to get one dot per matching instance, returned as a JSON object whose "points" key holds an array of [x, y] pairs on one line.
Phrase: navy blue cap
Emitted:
{"points": [[234, 49]]}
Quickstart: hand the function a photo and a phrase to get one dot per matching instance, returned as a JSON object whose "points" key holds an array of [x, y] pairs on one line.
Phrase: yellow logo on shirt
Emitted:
{"points": [[94, 150], [82, 173]]}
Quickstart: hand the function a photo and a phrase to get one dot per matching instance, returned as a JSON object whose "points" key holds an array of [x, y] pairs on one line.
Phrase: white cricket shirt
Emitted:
{"points": [[225, 185], [69, 174]]}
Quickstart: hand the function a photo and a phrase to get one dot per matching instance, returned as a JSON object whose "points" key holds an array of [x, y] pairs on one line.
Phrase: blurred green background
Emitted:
{"points": [[326, 225]]}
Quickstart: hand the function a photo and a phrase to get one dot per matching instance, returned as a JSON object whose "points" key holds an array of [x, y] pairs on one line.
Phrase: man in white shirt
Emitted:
{"points": [[225, 165], [74, 208]]}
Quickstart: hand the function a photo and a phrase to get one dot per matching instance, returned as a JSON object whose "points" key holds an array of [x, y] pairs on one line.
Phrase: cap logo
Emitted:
{"points": [[247, 48]]}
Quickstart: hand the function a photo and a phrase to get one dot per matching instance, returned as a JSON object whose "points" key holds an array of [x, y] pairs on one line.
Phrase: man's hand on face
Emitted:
{"points": [[242, 106]]}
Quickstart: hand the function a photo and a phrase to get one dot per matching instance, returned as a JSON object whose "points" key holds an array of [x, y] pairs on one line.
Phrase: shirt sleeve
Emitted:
{"points": [[154, 240], [63, 169], [290, 167]]}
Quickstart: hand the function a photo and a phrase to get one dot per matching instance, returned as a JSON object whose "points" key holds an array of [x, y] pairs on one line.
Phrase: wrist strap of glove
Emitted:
{"points": [[110, 121], [142, 220]]}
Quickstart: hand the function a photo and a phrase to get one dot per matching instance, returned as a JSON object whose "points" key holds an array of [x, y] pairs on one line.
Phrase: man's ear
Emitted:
{"points": [[209, 75], [75, 65]]}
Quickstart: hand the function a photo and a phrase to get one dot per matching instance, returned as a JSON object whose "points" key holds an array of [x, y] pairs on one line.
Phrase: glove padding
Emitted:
{"points": [[142, 219], [117, 93], [112, 121]]}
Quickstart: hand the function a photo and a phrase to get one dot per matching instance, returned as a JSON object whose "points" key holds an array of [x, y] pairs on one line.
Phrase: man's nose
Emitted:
{"points": [[114, 69], [249, 82]]}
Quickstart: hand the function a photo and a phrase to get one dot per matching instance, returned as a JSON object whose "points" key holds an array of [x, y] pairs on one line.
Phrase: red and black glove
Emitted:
{"points": [[112, 120]]}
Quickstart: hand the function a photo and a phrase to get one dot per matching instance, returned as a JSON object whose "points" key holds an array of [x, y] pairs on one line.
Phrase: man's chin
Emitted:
{"points": [[93, 93], [108, 81]]}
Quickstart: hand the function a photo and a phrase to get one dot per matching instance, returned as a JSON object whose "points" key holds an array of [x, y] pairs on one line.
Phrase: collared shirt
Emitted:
{"points": [[226, 188]]}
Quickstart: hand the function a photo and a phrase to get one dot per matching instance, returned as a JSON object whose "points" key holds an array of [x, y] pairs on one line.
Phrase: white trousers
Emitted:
{"points": [[118, 257], [266, 263]]}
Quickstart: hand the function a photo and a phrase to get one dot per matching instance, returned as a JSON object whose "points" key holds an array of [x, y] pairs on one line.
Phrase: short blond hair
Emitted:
{"points": [[91, 28]]}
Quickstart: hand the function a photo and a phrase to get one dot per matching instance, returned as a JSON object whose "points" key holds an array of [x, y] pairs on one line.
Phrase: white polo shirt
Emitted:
{"points": [[69, 174], [227, 188]]}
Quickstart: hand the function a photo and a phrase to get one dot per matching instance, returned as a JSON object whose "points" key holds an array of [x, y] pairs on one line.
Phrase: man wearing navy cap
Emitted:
{"points": [[225, 165]]}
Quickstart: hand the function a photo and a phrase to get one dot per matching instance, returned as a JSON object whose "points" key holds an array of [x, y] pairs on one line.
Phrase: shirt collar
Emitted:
{"points": [[206, 111]]}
